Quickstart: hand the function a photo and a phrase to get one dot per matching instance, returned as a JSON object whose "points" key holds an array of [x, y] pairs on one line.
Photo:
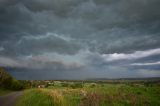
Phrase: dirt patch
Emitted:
{"points": [[10, 99]]}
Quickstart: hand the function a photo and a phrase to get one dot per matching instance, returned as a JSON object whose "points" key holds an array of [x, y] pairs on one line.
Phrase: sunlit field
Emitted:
{"points": [[96, 92], [92, 94]]}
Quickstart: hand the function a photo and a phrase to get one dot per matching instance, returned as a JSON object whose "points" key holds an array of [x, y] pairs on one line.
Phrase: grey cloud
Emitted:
{"points": [[6, 3], [135, 55], [33, 45], [59, 7], [49, 44], [95, 24], [53, 62], [85, 29]]}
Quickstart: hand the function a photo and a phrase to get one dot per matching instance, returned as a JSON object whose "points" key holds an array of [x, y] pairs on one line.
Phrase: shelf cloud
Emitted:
{"points": [[146, 64], [80, 38], [135, 55]]}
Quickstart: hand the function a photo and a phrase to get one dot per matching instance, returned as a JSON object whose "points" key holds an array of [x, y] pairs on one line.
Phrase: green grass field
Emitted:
{"points": [[92, 94]]}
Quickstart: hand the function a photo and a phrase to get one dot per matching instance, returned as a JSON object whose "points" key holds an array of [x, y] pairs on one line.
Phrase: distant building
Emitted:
{"points": [[41, 86]]}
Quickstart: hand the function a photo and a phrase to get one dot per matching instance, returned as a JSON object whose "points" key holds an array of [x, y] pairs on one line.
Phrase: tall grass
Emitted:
{"points": [[93, 95], [57, 97], [34, 97]]}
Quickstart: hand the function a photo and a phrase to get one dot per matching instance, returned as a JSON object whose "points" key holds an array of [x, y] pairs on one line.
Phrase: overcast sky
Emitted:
{"points": [[79, 39]]}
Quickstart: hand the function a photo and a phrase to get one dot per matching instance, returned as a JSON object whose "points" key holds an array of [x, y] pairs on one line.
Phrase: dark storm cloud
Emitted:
{"points": [[6, 3], [33, 45], [96, 23], [59, 7], [89, 35]]}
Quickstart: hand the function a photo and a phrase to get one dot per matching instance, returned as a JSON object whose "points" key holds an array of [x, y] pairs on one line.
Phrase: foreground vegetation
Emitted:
{"points": [[83, 93], [92, 94], [7, 82]]}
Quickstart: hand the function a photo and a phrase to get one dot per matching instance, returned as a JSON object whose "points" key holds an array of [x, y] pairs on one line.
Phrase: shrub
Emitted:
{"points": [[8, 82], [93, 85], [92, 99], [76, 85], [5, 79], [65, 84], [16, 85]]}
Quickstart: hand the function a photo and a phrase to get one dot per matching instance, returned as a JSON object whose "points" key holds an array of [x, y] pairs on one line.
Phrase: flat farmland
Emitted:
{"points": [[62, 93]]}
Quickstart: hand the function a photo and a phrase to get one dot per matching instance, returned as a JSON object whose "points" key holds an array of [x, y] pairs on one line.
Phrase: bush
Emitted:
{"points": [[93, 85], [65, 84], [8, 82], [92, 99], [16, 85], [5, 79], [76, 85]]}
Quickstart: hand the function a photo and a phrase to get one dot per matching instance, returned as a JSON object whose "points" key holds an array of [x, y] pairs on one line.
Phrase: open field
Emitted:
{"points": [[62, 93], [91, 92]]}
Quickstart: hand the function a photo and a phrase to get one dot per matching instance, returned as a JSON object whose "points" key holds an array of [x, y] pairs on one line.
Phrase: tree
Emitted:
{"points": [[8, 82], [5, 79]]}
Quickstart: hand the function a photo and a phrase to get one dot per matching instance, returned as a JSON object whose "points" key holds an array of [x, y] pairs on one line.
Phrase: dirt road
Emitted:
{"points": [[10, 99]]}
